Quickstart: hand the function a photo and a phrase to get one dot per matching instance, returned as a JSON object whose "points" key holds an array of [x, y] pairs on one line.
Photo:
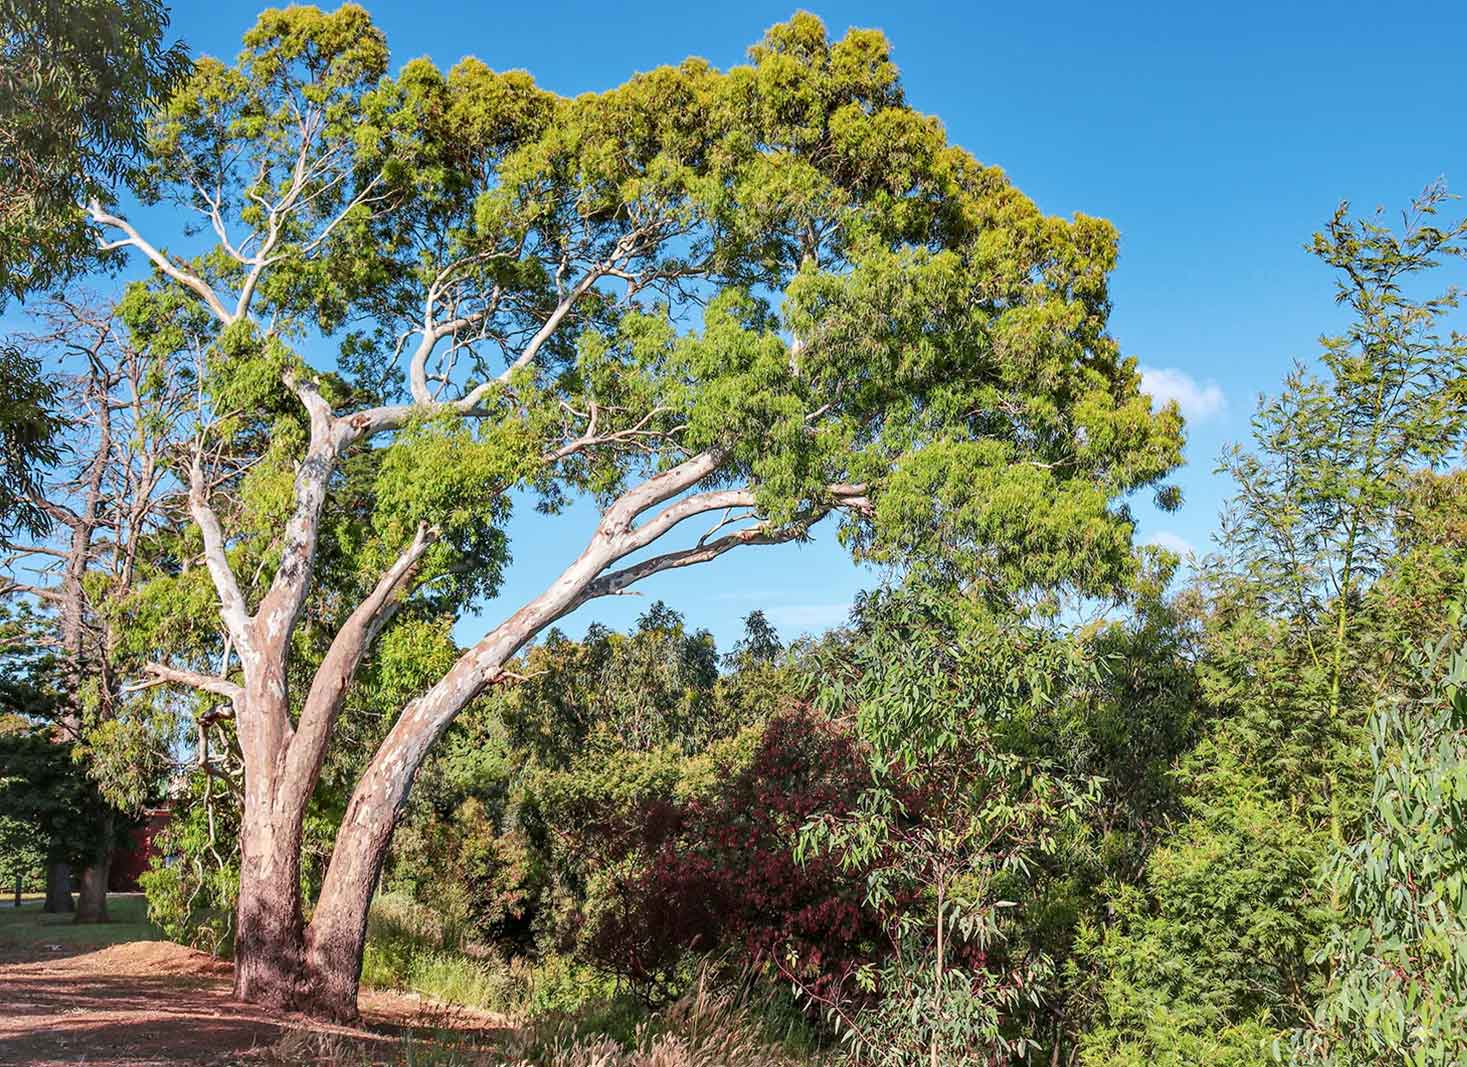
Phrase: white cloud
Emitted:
{"points": [[1172, 542], [1198, 400], [805, 617]]}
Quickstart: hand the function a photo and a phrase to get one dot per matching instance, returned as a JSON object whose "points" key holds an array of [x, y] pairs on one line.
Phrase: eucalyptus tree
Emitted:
{"points": [[763, 297], [1320, 499]]}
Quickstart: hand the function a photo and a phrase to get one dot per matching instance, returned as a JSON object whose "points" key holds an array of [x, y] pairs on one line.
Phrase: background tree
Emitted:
{"points": [[1313, 522], [29, 423], [1215, 952], [106, 498], [1397, 987], [77, 81], [951, 829]]}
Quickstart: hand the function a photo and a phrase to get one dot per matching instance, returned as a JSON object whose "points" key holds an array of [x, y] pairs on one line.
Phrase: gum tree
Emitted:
{"points": [[746, 301], [1314, 521]]}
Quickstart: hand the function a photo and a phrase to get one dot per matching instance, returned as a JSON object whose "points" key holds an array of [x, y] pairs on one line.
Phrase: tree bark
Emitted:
{"points": [[91, 904], [58, 886], [92, 899], [269, 928]]}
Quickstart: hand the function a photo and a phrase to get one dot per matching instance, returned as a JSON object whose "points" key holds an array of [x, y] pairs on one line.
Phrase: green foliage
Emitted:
{"points": [[953, 828], [30, 423], [1397, 960], [193, 879], [1204, 962], [1313, 522], [1219, 949], [1098, 843], [77, 81], [46, 799]]}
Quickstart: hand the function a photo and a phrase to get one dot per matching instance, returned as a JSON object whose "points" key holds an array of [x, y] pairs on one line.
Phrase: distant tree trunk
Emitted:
{"points": [[92, 900], [58, 885]]}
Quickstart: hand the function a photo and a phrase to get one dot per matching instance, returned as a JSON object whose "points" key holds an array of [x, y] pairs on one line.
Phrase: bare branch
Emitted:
{"points": [[281, 606], [614, 583], [348, 649], [231, 603], [209, 683], [185, 278]]}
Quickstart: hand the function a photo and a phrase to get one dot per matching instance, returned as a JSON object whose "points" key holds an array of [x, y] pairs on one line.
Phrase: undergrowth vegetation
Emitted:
{"points": [[1047, 795]]}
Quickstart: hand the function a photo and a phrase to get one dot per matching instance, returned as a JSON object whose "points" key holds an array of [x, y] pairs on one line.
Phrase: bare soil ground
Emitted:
{"points": [[157, 1004]]}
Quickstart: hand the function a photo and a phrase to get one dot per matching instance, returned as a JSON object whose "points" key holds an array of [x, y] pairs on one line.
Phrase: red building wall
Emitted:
{"points": [[131, 857]]}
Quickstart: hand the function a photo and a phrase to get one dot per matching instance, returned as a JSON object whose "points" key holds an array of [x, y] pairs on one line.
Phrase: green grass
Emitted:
{"points": [[28, 925]]}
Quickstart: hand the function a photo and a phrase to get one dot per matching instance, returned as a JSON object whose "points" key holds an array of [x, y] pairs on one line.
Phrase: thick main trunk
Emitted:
{"points": [[268, 940]]}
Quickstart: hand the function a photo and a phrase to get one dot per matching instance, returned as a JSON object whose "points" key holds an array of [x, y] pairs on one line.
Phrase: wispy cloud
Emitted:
{"points": [[1198, 400], [1172, 542], [805, 617]]}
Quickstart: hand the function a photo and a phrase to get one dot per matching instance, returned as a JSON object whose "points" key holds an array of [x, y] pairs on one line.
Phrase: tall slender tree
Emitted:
{"points": [[105, 498], [1315, 516]]}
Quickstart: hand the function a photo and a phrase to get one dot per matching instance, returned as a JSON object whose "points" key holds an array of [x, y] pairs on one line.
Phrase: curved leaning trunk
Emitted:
{"points": [[318, 970], [337, 934]]}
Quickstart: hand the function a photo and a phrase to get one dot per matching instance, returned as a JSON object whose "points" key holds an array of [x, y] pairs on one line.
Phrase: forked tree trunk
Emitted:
{"points": [[337, 935]]}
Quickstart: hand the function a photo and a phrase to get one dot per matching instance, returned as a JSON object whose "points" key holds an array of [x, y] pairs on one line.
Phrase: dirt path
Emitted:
{"points": [[156, 1004]]}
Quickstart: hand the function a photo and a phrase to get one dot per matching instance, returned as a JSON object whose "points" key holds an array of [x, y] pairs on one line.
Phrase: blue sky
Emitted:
{"points": [[1215, 137]]}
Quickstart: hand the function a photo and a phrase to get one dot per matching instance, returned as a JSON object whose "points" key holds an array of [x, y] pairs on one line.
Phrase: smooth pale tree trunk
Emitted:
{"points": [[337, 935], [269, 928]]}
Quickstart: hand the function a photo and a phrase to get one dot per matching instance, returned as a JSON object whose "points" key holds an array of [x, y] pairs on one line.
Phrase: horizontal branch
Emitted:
{"points": [[208, 683], [616, 582]]}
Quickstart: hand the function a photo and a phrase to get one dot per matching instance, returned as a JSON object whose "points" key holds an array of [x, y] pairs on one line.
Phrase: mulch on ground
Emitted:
{"points": [[157, 1004]]}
